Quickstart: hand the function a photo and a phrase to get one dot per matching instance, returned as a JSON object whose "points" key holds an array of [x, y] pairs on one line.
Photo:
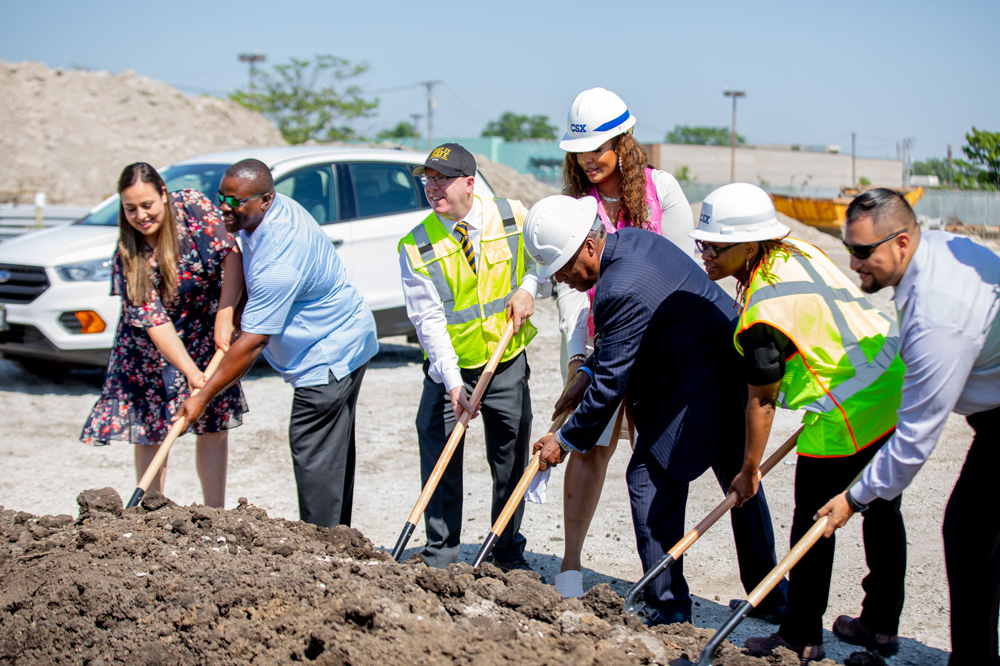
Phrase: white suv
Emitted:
{"points": [[55, 307]]}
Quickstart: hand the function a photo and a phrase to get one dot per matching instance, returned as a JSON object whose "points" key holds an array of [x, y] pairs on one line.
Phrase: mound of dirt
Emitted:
{"points": [[164, 584], [69, 133], [507, 182]]}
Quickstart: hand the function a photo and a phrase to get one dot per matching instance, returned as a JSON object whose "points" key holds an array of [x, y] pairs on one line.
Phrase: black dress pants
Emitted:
{"points": [[972, 548], [816, 481], [321, 434], [505, 415]]}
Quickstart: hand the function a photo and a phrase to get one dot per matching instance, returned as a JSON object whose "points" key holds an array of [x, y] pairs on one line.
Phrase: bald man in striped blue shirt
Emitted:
{"points": [[312, 326]]}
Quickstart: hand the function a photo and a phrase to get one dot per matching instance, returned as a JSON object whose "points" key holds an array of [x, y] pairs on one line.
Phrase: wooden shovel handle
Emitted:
{"points": [[522, 485], [460, 427], [176, 430], [730, 500]]}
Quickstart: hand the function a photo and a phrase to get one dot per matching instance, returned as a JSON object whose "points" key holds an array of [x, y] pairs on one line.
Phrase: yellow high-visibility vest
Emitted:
{"points": [[475, 303], [847, 373]]}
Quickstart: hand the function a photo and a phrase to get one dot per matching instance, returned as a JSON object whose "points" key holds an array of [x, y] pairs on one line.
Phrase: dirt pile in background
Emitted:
{"points": [[164, 584], [69, 133], [507, 182]]}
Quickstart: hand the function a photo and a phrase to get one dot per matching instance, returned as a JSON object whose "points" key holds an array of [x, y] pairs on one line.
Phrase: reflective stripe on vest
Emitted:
{"points": [[865, 372], [848, 415], [474, 328]]}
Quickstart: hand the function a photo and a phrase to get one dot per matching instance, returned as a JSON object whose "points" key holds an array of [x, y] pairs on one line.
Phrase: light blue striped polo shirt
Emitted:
{"points": [[300, 295]]}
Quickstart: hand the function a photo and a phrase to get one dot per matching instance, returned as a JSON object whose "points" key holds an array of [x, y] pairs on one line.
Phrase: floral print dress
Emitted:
{"points": [[141, 390]]}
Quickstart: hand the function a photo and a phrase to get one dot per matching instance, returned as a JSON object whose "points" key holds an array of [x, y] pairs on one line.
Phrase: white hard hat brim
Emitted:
{"points": [[769, 231], [585, 144]]}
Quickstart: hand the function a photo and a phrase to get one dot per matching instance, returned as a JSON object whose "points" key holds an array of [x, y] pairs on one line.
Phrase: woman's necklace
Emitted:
{"points": [[608, 199]]}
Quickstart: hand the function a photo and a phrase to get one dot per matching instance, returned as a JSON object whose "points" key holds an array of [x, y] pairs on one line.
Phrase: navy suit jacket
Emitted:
{"points": [[664, 339]]}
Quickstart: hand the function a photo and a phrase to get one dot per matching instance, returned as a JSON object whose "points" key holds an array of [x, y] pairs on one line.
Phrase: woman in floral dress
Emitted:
{"points": [[173, 252]]}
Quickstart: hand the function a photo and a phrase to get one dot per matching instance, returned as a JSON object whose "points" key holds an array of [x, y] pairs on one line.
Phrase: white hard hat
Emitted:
{"points": [[596, 116], [556, 227], [738, 213]]}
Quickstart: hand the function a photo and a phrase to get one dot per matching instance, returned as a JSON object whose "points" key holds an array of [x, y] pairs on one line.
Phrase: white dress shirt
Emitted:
{"points": [[426, 312], [946, 304]]}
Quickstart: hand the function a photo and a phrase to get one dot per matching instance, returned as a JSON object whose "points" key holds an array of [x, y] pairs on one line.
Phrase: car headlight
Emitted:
{"points": [[98, 270]]}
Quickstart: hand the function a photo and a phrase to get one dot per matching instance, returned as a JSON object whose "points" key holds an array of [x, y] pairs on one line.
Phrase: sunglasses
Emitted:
{"points": [[713, 251], [233, 202], [865, 251]]}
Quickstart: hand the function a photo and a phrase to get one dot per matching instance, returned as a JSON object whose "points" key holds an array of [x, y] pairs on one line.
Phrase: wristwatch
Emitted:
{"points": [[856, 506], [562, 444]]}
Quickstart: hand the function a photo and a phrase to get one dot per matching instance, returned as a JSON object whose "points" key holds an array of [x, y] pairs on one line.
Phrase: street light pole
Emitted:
{"points": [[732, 138], [252, 59]]}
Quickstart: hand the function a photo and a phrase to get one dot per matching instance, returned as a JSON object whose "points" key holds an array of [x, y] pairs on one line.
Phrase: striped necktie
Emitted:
{"points": [[462, 229]]}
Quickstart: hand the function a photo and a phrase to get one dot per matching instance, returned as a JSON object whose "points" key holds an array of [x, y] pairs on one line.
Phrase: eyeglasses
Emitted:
{"points": [[713, 251], [865, 251], [439, 181], [233, 202]]}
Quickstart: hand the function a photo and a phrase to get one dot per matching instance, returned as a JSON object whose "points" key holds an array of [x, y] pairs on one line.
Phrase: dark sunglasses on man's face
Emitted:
{"points": [[233, 202], [864, 251], [713, 251]]}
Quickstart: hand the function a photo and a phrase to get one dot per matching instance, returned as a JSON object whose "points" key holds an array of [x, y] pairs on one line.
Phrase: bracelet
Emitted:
{"points": [[855, 505], [578, 357]]}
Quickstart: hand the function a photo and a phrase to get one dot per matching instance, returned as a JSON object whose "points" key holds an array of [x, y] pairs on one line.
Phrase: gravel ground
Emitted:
{"points": [[44, 467]]}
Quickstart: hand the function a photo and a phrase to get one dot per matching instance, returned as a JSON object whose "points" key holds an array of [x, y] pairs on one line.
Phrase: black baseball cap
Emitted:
{"points": [[449, 159]]}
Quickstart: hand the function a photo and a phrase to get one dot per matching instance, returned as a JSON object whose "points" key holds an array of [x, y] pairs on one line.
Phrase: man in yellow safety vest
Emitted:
{"points": [[465, 275]]}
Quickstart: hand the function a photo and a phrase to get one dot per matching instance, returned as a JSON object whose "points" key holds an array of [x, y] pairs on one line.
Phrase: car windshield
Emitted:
{"points": [[202, 177]]}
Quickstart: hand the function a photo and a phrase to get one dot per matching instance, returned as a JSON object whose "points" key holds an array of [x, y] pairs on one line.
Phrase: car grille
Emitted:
{"points": [[23, 284]]}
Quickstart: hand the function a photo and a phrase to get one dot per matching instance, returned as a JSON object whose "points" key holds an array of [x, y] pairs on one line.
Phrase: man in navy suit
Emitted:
{"points": [[664, 344]]}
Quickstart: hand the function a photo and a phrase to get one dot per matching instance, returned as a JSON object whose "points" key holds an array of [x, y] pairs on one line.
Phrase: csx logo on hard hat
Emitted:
{"points": [[440, 154], [577, 128], [705, 218]]}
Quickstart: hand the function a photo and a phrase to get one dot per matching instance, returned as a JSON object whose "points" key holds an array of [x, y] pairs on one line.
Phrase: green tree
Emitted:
{"points": [[308, 99], [702, 136], [402, 131], [514, 127], [983, 151]]}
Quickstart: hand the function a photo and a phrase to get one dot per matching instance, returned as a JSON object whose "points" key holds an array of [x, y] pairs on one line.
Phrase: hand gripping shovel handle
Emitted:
{"points": [[631, 599], [176, 430], [453, 440], [516, 496], [765, 586]]}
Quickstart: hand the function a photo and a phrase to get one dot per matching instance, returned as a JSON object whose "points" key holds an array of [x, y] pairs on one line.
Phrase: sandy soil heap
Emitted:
{"points": [[69, 133], [164, 584]]}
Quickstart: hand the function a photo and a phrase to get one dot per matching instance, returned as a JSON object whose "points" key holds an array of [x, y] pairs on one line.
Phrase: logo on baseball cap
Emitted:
{"points": [[449, 159]]}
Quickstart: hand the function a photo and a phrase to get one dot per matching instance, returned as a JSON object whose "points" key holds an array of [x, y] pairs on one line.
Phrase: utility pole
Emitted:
{"points": [[252, 59], [732, 138], [949, 166], [430, 110], [854, 171], [416, 119], [907, 146]]}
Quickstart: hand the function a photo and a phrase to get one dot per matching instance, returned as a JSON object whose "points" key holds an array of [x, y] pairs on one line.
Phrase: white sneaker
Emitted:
{"points": [[570, 584]]}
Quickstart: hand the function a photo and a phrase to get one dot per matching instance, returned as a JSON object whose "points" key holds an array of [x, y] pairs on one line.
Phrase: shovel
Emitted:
{"points": [[765, 586], [681, 546], [515, 498], [176, 430], [453, 440]]}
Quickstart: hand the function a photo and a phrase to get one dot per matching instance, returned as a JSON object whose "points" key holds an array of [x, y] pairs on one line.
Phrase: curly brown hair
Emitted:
{"points": [[632, 164], [763, 262]]}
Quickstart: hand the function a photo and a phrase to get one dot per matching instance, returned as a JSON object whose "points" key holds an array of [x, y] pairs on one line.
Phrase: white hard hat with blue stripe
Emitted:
{"points": [[596, 116]]}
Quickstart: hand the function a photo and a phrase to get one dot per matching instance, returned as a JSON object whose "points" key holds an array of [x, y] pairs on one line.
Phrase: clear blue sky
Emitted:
{"points": [[813, 72]]}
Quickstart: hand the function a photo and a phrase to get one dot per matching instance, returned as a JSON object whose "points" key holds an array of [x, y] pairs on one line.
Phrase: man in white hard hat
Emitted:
{"points": [[663, 337], [465, 275]]}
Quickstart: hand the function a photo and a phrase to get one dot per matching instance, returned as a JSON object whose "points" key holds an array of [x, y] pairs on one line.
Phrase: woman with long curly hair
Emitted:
{"points": [[604, 161], [180, 277], [809, 340]]}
